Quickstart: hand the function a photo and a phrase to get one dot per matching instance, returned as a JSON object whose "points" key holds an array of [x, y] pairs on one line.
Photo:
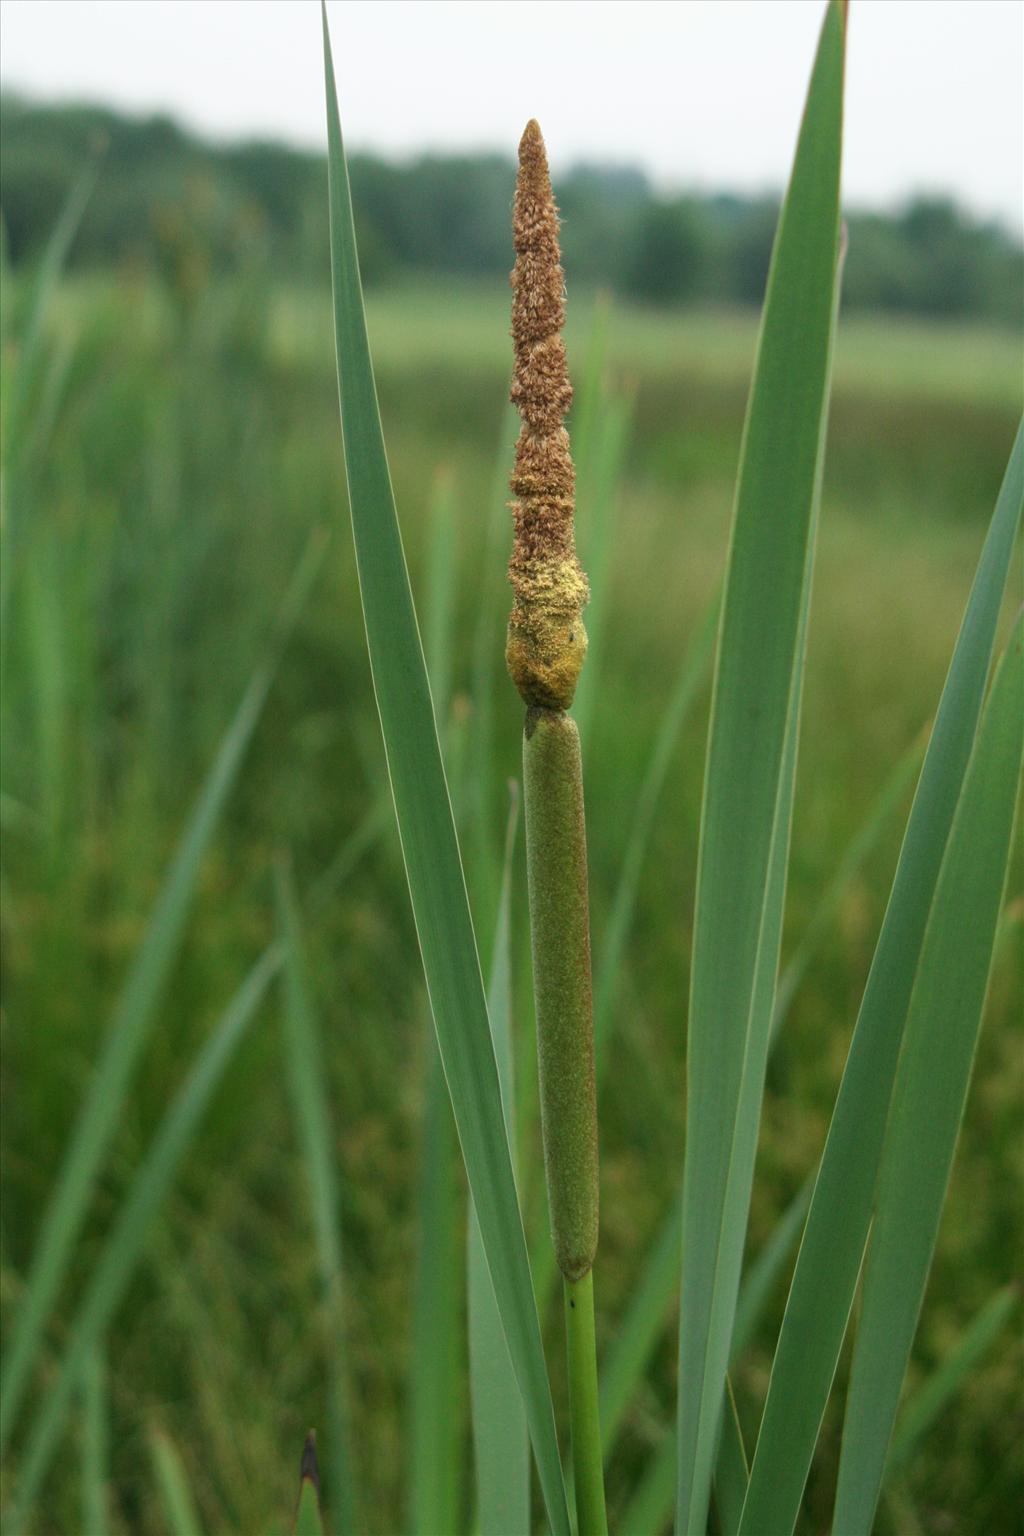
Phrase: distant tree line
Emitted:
{"points": [[164, 197]]}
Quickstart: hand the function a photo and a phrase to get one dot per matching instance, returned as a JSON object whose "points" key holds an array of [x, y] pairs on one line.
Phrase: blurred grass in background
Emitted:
{"points": [[182, 442]]}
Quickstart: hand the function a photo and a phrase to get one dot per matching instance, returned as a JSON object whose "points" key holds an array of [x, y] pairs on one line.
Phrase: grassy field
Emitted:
{"points": [[180, 448]]}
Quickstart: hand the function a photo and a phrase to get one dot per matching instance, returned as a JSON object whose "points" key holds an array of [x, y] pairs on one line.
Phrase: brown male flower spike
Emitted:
{"points": [[546, 638]]}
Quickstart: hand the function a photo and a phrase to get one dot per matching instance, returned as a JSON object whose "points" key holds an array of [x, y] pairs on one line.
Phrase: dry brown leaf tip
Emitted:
{"points": [[546, 638]]}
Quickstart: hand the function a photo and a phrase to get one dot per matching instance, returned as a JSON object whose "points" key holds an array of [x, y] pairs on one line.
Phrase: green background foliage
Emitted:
{"points": [[171, 198], [183, 443]]}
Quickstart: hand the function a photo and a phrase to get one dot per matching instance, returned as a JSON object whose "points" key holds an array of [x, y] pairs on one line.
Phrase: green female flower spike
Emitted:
{"points": [[556, 862]]}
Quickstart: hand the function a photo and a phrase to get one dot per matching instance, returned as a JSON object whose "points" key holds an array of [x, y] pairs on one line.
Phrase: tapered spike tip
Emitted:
{"points": [[309, 1471]]}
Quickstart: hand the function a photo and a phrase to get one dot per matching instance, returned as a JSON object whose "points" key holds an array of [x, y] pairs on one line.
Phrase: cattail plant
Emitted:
{"points": [[868, 1214], [885, 1138], [546, 647]]}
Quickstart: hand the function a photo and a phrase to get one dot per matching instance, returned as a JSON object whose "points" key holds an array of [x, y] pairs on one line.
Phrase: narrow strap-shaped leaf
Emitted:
{"points": [[644, 1318], [95, 1445], [135, 1014], [930, 1091], [124, 1244], [832, 1249], [436, 1367], [173, 1492], [648, 1511], [440, 605], [641, 1327], [305, 1077], [730, 1483], [436, 883], [747, 799], [500, 1439], [927, 1403], [652, 1502]]}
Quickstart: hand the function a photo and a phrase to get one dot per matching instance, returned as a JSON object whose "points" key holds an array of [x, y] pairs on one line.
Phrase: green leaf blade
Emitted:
{"points": [[748, 778], [436, 1367], [500, 1437], [831, 1253], [730, 1468], [652, 1501], [95, 1444], [174, 1493], [423, 810], [930, 1091]]}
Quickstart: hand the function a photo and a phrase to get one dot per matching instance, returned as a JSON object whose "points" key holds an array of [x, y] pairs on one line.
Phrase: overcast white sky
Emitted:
{"points": [[701, 93]]}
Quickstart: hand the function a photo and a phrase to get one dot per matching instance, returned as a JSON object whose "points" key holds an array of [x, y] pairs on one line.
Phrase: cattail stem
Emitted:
{"points": [[588, 1475]]}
